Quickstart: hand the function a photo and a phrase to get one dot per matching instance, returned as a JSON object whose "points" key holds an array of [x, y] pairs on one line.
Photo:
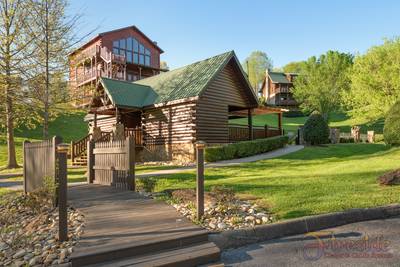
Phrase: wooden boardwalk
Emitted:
{"points": [[123, 224]]}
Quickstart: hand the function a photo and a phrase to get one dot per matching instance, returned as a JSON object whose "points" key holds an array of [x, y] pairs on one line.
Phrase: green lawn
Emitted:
{"points": [[311, 181], [339, 120], [70, 126]]}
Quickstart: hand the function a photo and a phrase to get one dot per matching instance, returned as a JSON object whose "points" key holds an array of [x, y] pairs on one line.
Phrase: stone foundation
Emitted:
{"points": [[179, 153]]}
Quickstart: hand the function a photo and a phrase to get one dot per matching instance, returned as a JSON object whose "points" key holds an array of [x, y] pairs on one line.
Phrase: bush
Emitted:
{"points": [[347, 140], [391, 130], [244, 149], [146, 184], [316, 130]]}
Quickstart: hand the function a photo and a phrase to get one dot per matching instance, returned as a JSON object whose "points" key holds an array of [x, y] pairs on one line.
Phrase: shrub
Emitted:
{"points": [[347, 140], [391, 130], [146, 184], [244, 149], [316, 130]]}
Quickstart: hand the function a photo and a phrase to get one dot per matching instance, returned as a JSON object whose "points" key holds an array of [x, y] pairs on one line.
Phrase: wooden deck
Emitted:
{"points": [[123, 224]]}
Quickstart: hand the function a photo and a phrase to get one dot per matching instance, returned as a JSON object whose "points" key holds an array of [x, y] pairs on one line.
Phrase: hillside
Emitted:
{"points": [[70, 126]]}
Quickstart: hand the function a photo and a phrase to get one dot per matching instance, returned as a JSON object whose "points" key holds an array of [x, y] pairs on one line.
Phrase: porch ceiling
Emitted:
{"points": [[258, 111]]}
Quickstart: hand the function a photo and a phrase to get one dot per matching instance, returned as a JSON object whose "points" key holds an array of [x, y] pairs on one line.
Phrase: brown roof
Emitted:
{"points": [[120, 29]]}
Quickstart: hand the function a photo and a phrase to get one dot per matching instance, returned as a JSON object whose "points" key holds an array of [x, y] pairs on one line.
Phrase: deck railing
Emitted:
{"points": [[137, 133], [239, 132]]}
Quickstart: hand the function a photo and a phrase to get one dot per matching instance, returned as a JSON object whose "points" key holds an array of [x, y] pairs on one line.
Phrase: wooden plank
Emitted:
{"points": [[109, 150]]}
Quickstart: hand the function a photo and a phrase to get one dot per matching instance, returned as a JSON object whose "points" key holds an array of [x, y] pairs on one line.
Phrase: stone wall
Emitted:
{"points": [[179, 153]]}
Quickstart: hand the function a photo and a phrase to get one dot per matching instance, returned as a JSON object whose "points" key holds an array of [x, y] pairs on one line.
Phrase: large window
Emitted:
{"points": [[134, 51]]}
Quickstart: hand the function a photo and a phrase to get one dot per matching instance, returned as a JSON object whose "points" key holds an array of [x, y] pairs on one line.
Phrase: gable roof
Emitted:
{"points": [[278, 77], [98, 36], [127, 94], [190, 81], [182, 83]]}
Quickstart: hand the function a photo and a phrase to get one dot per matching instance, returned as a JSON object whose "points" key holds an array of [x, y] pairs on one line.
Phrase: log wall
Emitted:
{"points": [[212, 110]]}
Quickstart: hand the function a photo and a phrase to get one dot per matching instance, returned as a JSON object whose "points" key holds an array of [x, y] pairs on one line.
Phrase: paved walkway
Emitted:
{"points": [[226, 163], [349, 248]]}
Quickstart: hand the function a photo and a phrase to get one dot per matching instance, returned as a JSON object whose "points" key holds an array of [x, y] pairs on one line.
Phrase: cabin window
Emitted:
{"points": [[134, 51], [129, 56], [141, 59]]}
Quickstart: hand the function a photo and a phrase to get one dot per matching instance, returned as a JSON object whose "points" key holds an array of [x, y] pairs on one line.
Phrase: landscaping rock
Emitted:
{"points": [[390, 178], [227, 215], [33, 240]]}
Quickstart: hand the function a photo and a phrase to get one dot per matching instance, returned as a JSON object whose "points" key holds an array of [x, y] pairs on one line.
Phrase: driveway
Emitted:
{"points": [[371, 243]]}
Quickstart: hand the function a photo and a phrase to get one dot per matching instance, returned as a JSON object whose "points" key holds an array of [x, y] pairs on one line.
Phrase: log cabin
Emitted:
{"points": [[277, 89], [169, 112], [123, 54]]}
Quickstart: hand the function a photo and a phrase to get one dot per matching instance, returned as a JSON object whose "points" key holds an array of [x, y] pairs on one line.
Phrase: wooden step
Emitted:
{"points": [[192, 255], [119, 251]]}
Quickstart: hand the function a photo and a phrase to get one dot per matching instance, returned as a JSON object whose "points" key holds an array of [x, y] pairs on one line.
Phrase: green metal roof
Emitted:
{"points": [[182, 83], [278, 77], [188, 81], [128, 94]]}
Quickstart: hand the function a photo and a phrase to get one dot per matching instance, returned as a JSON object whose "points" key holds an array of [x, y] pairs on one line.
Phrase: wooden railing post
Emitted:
{"points": [[72, 151], [266, 130], [90, 161], [55, 142], [200, 179], [25, 167], [130, 156], [62, 151]]}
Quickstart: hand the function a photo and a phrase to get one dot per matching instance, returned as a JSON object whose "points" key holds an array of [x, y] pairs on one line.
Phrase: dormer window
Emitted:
{"points": [[133, 51]]}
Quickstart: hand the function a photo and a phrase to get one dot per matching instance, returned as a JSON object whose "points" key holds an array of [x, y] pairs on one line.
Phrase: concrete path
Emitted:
{"points": [[226, 163], [370, 243]]}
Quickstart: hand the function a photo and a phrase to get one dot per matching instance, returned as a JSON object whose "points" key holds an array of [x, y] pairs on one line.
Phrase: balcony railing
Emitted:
{"points": [[241, 132]]}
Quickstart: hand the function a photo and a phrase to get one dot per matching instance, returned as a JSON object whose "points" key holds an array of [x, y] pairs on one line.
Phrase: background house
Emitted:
{"points": [[123, 54], [277, 89]]}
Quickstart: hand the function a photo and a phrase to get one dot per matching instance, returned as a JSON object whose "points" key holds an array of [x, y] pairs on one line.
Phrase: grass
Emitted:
{"points": [[70, 126], [312, 181], [339, 120]]}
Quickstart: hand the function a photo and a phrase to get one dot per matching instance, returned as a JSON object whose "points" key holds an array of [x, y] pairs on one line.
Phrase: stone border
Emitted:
{"points": [[242, 237]]}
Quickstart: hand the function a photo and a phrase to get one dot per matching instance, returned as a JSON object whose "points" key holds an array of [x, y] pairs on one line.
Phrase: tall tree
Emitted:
{"points": [[294, 67], [54, 35], [255, 66], [375, 80], [322, 82], [12, 42]]}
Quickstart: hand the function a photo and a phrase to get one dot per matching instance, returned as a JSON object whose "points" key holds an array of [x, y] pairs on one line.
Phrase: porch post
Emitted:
{"points": [[280, 122], [95, 120], [250, 123], [116, 115]]}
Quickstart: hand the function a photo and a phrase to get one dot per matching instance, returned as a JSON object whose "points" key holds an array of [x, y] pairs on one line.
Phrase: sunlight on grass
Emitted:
{"points": [[311, 181]]}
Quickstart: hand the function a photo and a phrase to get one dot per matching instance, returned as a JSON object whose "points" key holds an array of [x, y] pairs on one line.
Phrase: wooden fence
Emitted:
{"points": [[241, 132], [112, 163], [40, 161]]}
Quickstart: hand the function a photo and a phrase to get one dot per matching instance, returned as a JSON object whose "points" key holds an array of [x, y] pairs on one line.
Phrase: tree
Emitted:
{"points": [[391, 131], [54, 36], [255, 66], [294, 67], [164, 65], [12, 42], [316, 130], [375, 81], [322, 81]]}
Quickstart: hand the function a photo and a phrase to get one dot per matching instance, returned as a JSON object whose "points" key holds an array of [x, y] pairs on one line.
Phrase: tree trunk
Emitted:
{"points": [[12, 159], [47, 85]]}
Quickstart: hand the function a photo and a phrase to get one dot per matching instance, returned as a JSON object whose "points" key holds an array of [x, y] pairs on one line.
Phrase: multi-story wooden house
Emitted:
{"points": [[122, 54], [277, 89]]}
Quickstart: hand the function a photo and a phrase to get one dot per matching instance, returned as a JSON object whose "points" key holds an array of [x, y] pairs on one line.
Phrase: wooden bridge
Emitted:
{"points": [[125, 229]]}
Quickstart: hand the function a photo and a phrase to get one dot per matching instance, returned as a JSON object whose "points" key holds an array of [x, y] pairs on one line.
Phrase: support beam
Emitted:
{"points": [[250, 123], [280, 122], [95, 120]]}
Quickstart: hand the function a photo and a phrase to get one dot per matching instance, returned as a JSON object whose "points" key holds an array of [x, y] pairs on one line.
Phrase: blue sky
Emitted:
{"points": [[286, 30]]}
